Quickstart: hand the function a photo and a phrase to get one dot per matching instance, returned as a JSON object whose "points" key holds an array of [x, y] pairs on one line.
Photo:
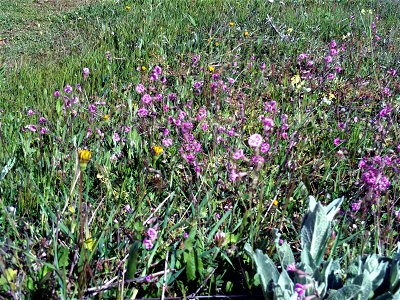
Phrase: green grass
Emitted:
{"points": [[125, 185]]}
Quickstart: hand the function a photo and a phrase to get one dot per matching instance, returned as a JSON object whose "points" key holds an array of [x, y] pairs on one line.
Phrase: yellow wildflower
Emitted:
{"points": [[275, 202], [158, 150], [127, 8], [211, 69], [246, 33], [295, 79], [331, 96], [231, 24], [84, 157], [106, 117], [143, 68], [289, 30]]}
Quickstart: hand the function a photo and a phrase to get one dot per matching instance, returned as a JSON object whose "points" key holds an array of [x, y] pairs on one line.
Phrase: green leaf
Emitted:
{"points": [[316, 230], [265, 268], [190, 260], [347, 292], [63, 258], [133, 260]]}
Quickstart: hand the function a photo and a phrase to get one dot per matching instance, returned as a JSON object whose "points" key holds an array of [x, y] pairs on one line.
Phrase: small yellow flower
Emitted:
{"points": [[127, 8], [106, 117], [289, 30], [216, 44], [275, 202], [246, 33], [158, 150], [295, 79], [331, 96], [143, 68], [211, 69], [84, 157], [231, 24]]}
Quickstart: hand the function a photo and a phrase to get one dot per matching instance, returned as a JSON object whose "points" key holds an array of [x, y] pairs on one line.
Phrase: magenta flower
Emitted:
{"points": [[333, 52], [331, 76], [99, 132], [142, 112], [292, 267], [31, 127], [264, 148], [167, 142], [44, 130], [255, 140], [238, 154], [268, 124], [302, 56], [56, 93], [328, 59], [116, 138], [148, 244], [257, 159], [299, 289], [158, 70], [68, 89], [333, 44], [204, 126], [336, 141], [355, 206], [140, 88], [146, 98], [152, 234]]}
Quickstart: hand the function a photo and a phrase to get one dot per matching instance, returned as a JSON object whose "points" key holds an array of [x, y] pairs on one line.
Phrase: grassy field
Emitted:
{"points": [[145, 143]]}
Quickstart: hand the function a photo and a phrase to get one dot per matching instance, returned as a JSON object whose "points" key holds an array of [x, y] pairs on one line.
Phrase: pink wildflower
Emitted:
{"points": [[255, 140]]}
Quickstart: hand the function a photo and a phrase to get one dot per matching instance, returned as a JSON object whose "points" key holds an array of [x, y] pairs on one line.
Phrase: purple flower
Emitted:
{"points": [[42, 120], [167, 142], [44, 130], [140, 88], [302, 56], [116, 137], [386, 91], [238, 154], [152, 234], [292, 267], [355, 206], [299, 289], [31, 127], [56, 93], [255, 140], [146, 98], [142, 112], [30, 112], [383, 183], [231, 80], [257, 159], [333, 52], [172, 96], [154, 77], [185, 235], [148, 278], [331, 76], [204, 126], [85, 72], [369, 177], [68, 89], [333, 44], [158, 70], [336, 141], [92, 108], [264, 148], [328, 59], [147, 244], [268, 124]]}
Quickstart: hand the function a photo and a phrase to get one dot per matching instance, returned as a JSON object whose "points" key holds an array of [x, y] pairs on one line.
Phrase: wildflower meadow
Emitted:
{"points": [[225, 149]]}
